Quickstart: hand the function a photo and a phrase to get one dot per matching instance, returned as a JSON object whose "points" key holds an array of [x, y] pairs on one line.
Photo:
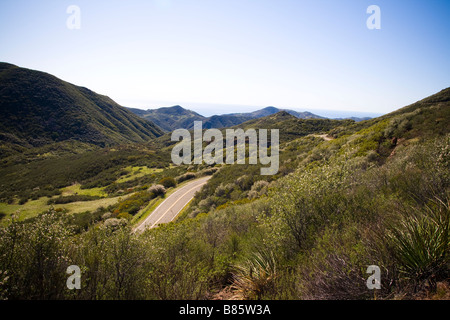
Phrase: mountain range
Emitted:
{"points": [[177, 117], [38, 109]]}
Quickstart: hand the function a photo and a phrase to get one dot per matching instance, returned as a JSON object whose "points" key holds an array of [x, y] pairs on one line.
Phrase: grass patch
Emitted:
{"points": [[137, 172], [33, 207], [27, 210], [75, 189], [81, 206]]}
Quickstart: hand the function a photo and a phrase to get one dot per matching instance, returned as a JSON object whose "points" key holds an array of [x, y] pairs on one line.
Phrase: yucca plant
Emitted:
{"points": [[255, 276], [421, 244]]}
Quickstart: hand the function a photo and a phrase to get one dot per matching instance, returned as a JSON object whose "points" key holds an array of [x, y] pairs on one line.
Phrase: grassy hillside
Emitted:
{"points": [[37, 109], [44, 176], [426, 117], [292, 127]]}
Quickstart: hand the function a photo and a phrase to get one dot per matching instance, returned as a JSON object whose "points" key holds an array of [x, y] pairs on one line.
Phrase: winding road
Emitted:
{"points": [[171, 207]]}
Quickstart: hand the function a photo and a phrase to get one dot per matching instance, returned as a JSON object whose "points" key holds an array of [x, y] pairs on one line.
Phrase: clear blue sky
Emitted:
{"points": [[303, 55]]}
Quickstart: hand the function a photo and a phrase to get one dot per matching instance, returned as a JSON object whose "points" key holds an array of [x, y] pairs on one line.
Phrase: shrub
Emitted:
{"points": [[372, 156], [209, 171], [333, 277], [168, 182], [125, 215], [35, 257], [81, 221], [224, 190], [134, 203], [258, 189], [186, 176], [244, 182], [206, 205], [157, 190], [107, 215], [115, 223], [72, 198]]}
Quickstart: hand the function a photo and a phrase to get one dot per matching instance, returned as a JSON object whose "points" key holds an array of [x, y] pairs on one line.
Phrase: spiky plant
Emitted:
{"points": [[255, 276], [421, 244]]}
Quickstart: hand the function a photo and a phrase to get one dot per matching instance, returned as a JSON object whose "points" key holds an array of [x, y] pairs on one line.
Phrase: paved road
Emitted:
{"points": [[171, 207]]}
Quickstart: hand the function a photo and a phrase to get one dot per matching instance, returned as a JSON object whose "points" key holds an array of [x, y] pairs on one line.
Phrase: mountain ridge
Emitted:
{"points": [[38, 108]]}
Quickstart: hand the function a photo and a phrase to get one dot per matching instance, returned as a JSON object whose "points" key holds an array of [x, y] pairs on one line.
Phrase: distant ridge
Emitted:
{"points": [[170, 118], [176, 117], [292, 127]]}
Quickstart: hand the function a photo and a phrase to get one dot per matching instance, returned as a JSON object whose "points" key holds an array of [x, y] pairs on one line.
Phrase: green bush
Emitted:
{"points": [[186, 176], [168, 182], [35, 256], [134, 203]]}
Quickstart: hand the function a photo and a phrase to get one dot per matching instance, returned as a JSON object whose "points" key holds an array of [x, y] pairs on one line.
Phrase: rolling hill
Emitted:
{"points": [[170, 118], [292, 127], [37, 108]]}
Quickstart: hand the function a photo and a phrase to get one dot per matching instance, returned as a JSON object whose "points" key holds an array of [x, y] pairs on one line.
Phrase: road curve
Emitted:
{"points": [[171, 207]]}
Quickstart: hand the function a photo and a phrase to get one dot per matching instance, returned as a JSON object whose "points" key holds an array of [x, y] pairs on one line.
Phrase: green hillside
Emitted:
{"points": [[172, 118], [427, 117], [292, 127], [37, 109]]}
